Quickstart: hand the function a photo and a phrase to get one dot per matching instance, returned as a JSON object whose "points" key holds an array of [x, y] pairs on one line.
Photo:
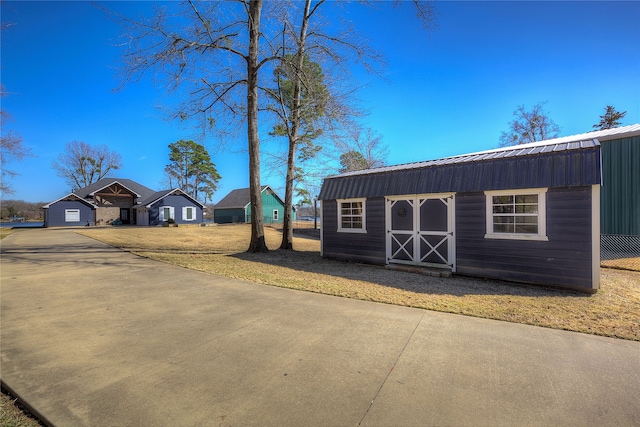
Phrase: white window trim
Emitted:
{"points": [[193, 214], [74, 218], [542, 215], [275, 215], [364, 216], [172, 213]]}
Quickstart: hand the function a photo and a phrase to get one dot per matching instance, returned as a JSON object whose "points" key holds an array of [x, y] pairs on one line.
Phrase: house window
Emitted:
{"points": [[516, 214], [352, 216], [166, 213], [188, 213], [275, 214], [72, 215]]}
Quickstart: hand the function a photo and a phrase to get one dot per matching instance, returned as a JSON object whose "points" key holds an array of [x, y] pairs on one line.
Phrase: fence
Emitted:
{"points": [[619, 251]]}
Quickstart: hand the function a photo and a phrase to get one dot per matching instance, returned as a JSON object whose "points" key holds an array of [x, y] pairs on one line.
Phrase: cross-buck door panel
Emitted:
{"points": [[420, 230]]}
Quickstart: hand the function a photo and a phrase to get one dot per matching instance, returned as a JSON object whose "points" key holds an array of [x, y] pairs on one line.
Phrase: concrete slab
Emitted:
{"points": [[93, 336]]}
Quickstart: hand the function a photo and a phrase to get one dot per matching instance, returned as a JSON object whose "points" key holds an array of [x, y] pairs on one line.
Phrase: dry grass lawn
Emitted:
{"points": [[613, 311]]}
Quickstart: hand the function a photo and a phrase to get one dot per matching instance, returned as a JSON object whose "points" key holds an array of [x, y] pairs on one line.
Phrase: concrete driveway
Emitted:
{"points": [[93, 336]]}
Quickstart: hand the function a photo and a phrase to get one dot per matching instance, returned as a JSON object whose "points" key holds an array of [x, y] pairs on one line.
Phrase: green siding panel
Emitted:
{"points": [[620, 193], [226, 216]]}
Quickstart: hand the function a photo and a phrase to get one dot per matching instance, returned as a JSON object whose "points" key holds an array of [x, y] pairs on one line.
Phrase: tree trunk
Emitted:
{"points": [[257, 243], [287, 226]]}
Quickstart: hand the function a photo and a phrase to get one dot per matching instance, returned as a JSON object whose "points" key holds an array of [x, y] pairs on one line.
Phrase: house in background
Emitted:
{"points": [[236, 207], [122, 201], [529, 213]]}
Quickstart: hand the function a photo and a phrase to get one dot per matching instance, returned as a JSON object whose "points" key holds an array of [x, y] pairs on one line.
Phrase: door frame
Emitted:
{"points": [[449, 200]]}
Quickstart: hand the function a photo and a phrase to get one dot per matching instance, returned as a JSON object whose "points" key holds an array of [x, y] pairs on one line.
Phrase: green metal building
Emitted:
{"points": [[620, 192], [235, 207]]}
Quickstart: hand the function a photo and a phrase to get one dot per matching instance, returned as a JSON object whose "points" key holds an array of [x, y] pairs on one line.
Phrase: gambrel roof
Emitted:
{"points": [[559, 162]]}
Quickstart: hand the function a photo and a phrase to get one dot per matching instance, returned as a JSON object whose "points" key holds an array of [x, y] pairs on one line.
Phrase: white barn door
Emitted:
{"points": [[420, 230]]}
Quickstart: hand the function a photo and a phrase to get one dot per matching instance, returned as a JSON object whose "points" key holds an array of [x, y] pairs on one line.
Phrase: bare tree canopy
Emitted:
{"points": [[610, 119], [210, 52], [364, 150], [529, 126], [217, 54], [82, 164], [11, 147]]}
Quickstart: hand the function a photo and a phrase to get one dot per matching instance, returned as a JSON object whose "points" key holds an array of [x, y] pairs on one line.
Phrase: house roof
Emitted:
{"points": [[567, 161], [237, 199], [68, 197], [138, 189], [153, 198]]}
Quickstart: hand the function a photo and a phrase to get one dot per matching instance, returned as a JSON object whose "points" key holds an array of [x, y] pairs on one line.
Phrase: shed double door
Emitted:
{"points": [[420, 230]]}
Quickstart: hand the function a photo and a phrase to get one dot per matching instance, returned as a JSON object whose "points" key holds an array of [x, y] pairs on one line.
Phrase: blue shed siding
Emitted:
{"points": [[177, 202], [366, 247], [564, 260], [55, 214]]}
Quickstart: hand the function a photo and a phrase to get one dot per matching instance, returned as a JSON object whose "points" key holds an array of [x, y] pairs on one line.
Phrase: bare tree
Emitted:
{"points": [[82, 164], [306, 104], [529, 126], [610, 119], [210, 51], [364, 149], [11, 147]]}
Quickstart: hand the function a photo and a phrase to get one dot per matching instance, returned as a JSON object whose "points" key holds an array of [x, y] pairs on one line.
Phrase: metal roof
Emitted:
{"points": [[584, 140], [561, 162]]}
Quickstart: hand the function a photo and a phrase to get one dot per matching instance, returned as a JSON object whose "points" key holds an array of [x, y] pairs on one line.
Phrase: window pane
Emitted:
{"points": [[503, 209], [501, 200], [527, 209], [527, 229], [527, 198], [503, 228]]}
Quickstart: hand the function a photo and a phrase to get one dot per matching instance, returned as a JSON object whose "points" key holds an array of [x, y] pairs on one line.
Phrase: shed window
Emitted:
{"points": [[352, 216], [166, 213], [72, 215], [275, 214], [516, 214], [188, 213]]}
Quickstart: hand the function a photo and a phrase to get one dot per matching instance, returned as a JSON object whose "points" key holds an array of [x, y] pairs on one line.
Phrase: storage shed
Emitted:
{"points": [[529, 213], [236, 207]]}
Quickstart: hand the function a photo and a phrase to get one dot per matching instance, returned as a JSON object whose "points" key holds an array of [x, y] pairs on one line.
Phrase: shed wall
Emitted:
{"points": [[55, 214], [366, 247], [564, 260]]}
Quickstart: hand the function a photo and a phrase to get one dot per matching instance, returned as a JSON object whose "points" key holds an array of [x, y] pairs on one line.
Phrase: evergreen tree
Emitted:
{"points": [[610, 119], [192, 170]]}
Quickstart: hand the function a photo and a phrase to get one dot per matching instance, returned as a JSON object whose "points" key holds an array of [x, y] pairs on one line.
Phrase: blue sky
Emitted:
{"points": [[448, 92]]}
